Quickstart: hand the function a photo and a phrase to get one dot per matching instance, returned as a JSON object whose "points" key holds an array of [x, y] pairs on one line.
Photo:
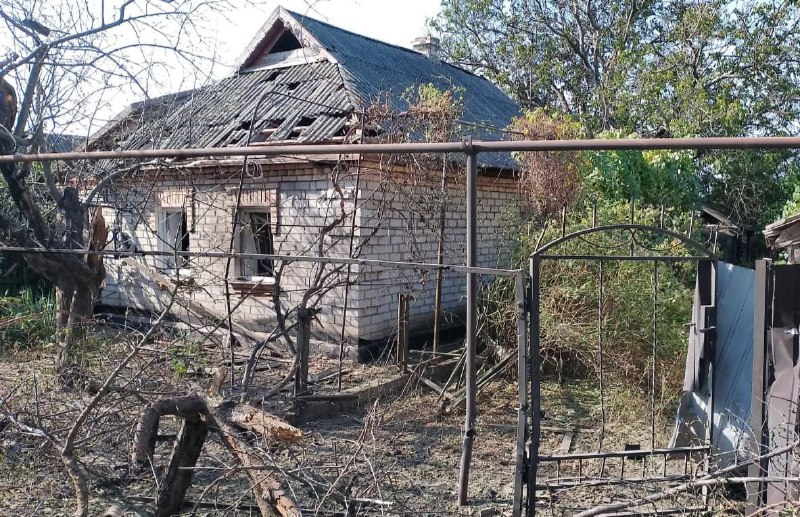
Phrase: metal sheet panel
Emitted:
{"points": [[782, 397], [732, 370]]}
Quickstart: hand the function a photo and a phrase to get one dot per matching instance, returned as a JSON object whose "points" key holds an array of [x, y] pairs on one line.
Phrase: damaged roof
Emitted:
{"points": [[309, 93]]}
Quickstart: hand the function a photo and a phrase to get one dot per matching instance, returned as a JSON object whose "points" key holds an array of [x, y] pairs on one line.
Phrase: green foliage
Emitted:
{"points": [[651, 177], [552, 181], [27, 319], [753, 185], [570, 291], [184, 358], [656, 68], [792, 206]]}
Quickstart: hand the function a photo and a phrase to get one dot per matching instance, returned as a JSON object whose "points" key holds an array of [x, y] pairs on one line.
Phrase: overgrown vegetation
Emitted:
{"points": [[566, 192], [27, 319], [659, 69]]}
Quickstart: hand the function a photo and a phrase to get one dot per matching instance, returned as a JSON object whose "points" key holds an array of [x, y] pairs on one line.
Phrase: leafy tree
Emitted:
{"points": [[653, 68], [680, 67], [657, 177]]}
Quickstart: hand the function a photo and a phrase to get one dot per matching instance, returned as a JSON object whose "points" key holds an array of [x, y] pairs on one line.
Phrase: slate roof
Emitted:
{"points": [[371, 67], [310, 102], [59, 143]]}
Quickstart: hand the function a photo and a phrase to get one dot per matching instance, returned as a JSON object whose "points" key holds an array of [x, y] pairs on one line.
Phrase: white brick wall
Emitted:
{"points": [[304, 205]]}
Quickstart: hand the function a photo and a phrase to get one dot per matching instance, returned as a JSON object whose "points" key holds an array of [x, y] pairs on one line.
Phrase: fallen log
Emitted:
{"points": [[198, 419], [270, 427], [144, 441], [267, 491]]}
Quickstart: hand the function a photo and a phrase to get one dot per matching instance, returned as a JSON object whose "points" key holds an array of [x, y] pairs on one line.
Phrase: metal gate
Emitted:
{"points": [[775, 419], [618, 469]]}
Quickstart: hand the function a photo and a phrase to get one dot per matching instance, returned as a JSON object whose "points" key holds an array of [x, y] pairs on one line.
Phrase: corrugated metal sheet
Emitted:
{"points": [[372, 68], [222, 113]]}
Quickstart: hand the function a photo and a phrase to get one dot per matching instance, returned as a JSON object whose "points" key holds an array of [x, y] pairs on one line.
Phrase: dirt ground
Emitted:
{"points": [[398, 455]]}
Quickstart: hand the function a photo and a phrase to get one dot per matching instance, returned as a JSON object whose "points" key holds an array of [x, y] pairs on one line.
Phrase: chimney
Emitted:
{"points": [[427, 45]]}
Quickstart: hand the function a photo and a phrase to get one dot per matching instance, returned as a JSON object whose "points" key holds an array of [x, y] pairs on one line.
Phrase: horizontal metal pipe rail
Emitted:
{"points": [[287, 258], [587, 482], [660, 258], [467, 146]]}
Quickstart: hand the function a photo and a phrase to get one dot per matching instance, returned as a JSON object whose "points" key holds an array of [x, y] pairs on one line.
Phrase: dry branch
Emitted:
{"points": [[267, 491]]}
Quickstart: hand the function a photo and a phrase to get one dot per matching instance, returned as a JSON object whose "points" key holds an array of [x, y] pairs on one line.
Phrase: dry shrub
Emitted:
{"points": [[549, 181]]}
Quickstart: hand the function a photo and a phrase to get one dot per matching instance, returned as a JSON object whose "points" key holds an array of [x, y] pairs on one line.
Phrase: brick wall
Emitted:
{"points": [[301, 201]]}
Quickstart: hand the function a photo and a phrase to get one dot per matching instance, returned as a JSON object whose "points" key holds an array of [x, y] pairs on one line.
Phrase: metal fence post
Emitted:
{"points": [[523, 306], [303, 342], [402, 332], [535, 376], [472, 322]]}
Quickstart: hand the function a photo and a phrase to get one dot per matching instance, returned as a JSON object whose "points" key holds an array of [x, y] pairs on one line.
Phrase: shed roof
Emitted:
{"points": [[784, 233], [310, 100]]}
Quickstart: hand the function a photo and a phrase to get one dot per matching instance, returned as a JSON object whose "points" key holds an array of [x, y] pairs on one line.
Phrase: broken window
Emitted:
{"points": [[256, 238], [174, 237]]}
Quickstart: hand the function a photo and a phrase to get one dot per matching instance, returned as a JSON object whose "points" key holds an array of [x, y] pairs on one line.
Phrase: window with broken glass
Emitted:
{"points": [[174, 238], [256, 238]]}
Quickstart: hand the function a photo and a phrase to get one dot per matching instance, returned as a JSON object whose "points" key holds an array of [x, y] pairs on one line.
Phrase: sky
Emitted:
{"points": [[393, 21]]}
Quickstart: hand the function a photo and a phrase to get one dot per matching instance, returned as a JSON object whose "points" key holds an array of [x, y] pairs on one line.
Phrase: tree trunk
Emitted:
{"points": [[77, 278], [76, 298], [176, 482]]}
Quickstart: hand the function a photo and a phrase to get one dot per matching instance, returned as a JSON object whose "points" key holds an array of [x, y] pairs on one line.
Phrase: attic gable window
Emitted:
{"points": [[286, 42], [283, 48]]}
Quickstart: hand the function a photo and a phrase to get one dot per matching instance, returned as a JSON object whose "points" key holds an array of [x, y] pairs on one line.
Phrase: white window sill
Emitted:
{"points": [[254, 285], [182, 274], [267, 280]]}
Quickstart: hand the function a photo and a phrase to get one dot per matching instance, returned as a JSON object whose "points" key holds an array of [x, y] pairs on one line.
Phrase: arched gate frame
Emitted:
{"points": [[530, 415]]}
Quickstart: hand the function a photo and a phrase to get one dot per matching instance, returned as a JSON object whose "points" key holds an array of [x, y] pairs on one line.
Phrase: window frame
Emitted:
{"points": [[253, 285], [166, 264]]}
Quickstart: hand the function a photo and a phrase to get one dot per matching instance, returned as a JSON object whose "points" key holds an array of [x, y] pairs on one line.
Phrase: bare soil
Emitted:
{"points": [[398, 455]]}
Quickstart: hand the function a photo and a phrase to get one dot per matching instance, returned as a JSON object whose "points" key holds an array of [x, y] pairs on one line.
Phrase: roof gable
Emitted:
{"points": [[282, 41]]}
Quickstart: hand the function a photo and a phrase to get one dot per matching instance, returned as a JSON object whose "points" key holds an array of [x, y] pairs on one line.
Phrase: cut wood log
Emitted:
{"points": [[566, 442], [144, 441], [113, 511], [217, 380], [270, 427], [267, 491], [176, 482], [198, 419]]}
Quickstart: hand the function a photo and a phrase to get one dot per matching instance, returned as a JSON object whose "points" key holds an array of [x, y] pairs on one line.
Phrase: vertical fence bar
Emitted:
{"points": [[761, 325], [402, 332], [472, 324], [654, 359], [522, 411], [535, 374], [303, 342]]}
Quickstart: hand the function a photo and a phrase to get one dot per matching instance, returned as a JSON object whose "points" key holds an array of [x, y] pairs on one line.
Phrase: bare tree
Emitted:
{"points": [[62, 60]]}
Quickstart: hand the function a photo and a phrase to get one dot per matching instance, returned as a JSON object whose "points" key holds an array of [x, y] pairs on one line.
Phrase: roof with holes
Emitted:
{"points": [[306, 93]]}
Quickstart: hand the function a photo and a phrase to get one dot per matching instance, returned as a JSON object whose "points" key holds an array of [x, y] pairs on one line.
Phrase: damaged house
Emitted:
{"points": [[302, 81]]}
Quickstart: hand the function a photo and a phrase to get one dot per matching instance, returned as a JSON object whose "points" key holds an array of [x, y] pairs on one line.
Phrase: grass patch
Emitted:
{"points": [[27, 319]]}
